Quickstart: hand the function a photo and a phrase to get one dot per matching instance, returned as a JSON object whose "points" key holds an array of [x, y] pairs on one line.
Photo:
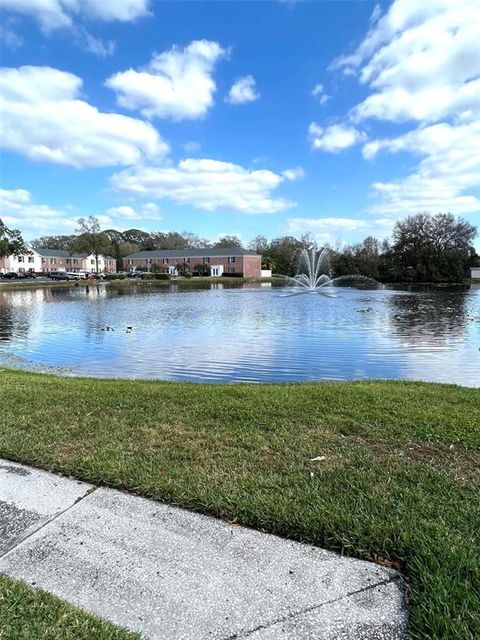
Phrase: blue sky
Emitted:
{"points": [[335, 118]]}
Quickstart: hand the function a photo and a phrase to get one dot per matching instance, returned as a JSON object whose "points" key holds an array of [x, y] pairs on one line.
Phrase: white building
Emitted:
{"points": [[25, 262], [475, 273], [43, 260]]}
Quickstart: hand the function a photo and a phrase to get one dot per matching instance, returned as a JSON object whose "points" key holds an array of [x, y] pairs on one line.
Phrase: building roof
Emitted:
{"points": [[217, 252], [52, 253]]}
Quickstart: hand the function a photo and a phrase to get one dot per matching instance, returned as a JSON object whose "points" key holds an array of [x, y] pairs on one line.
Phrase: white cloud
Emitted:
{"points": [[294, 174], [333, 229], [61, 14], [420, 61], [97, 46], [335, 137], [319, 93], [207, 185], [176, 84], [449, 169], [44, 119], [19, 211], [147, 211], [243, 90]]}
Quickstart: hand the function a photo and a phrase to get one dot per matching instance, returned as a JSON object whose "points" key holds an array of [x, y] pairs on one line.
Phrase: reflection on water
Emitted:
{"points": [[220, 333]]}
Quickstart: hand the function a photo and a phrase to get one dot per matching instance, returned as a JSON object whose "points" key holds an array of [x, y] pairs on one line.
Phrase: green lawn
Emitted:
{"points": [[30, 614], [400, 483]]}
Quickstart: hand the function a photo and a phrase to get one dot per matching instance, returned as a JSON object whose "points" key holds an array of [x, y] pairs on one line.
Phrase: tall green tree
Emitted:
{"points": [[11, 241], [54, 242], [91, 239], [229, 241], [432, 247]]}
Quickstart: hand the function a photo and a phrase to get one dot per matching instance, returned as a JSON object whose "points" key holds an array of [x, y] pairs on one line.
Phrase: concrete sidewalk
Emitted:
{"points": [[172, 574]]}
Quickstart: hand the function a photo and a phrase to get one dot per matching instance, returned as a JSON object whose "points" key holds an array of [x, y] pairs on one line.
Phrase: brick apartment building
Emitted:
{"points": [[230, 260]]}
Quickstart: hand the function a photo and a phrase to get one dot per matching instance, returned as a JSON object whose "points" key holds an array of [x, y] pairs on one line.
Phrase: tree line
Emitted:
{"points": [[422, 248]]}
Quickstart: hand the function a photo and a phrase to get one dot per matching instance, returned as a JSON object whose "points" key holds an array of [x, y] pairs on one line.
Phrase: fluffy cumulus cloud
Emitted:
{"points": [[446, 177], [420, 63], [20, 211], [207, 185], [44, 119], [335, 137], [146, 211], [61, 14], [243, 90], [177, 84]]}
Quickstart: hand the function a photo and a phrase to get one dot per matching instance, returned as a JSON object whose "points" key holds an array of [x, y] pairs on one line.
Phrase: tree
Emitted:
{"points": [[203, 269], [54, 242], [427, 247], [229, 241], [90, 238], [284, 252], [259, 244], [11, 241]]}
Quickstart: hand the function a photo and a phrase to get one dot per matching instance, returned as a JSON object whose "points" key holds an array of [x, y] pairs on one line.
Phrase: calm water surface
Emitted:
{"points": [[243, 334]]}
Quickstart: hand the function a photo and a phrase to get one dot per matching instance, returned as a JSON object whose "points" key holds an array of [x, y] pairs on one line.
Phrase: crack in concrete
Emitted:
{"points": [[44, 523], [295, 614]]}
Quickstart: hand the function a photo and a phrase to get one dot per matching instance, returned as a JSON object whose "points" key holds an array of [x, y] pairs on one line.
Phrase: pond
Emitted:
{"points": [[244, 333]]}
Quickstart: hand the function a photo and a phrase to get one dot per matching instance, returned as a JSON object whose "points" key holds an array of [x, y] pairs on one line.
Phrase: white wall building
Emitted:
{"points": [[475, 273], [48, 260], [25, 262]]}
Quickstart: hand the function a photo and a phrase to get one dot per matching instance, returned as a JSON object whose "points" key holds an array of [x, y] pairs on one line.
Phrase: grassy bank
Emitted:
{"points": [[29, 614], [126, 282], [399, 484]]}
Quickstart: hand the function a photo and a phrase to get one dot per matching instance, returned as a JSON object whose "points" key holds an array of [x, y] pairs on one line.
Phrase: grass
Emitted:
{"points": [[30, 614], [400, 482]]}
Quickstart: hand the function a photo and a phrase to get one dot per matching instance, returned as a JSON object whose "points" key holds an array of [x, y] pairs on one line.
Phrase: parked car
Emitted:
{"points": [[60, 275], [77, 276], [10, 275]]}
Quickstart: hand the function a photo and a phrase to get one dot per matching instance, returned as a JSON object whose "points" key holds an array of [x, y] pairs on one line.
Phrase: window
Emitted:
{"points": [[165, 261], [30, 259], [53, 261], [92, 261], [186, 260], [206, 261], [20, 258], [231, 269], [231, 259]]}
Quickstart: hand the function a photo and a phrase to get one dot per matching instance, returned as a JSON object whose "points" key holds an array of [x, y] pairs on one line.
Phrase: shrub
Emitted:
{"points": [[148, 276], [162, 276], [202, 269], [114, 276]]}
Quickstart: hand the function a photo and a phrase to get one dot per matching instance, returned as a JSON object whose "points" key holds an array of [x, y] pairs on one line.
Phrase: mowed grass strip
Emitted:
{"points": [[399, 482], [30, 614]]}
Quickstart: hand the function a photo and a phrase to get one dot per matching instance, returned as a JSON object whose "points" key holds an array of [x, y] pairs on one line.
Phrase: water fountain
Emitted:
{"points": [[313, 276]]}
